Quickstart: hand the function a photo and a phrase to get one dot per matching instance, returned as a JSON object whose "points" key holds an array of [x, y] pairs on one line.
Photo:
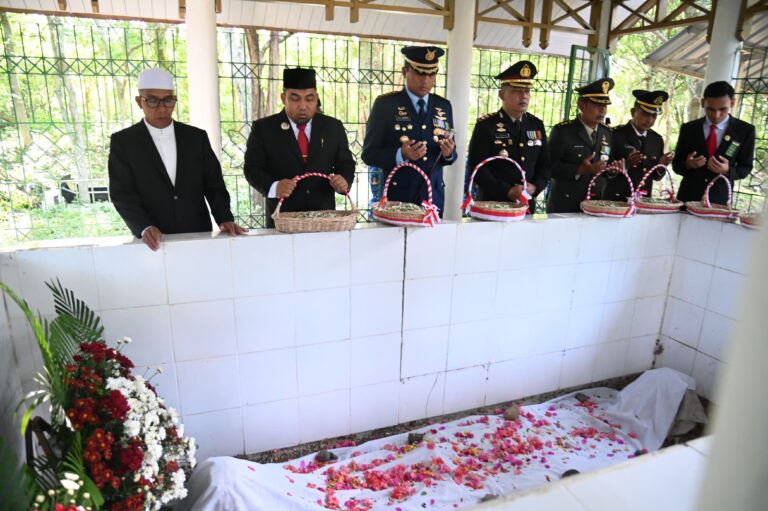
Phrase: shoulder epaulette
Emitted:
{"points": [[437, 96], [564, 123], [486, 116], [387, 94]]}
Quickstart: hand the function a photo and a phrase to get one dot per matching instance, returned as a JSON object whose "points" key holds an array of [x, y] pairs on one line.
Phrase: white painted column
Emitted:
{"points": [[738, 464], [459, 64], [203, 70], [603, 31], [724, 48]]}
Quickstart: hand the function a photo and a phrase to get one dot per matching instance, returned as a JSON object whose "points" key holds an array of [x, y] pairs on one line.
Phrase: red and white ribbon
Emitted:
{"points": [[705, 198], [617, 166], [431, 216], [669, 191], [470, 200]]}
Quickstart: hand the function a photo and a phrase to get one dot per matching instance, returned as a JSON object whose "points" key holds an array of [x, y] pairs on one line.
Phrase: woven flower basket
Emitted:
{"points": [[496, 211], [705, 209], [751, 220], [610, 208], [315, 221], [405, 213], [668, 204]]}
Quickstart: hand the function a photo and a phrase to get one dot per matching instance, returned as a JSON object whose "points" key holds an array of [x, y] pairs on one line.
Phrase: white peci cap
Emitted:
{"points": [[155, 78]]}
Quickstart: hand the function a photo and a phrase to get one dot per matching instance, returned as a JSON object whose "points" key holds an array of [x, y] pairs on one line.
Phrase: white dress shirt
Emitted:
{"points": [[165, 141], [719, 129], [307, 131]]}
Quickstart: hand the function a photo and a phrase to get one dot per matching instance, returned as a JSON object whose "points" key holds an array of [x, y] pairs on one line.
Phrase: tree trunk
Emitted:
{"points": [[18, 101], [67, 96], [274, 75], [254, 57]]}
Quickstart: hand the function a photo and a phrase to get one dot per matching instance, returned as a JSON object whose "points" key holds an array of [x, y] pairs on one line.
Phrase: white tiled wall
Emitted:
{"points": [[703, 302], [271, 339]]}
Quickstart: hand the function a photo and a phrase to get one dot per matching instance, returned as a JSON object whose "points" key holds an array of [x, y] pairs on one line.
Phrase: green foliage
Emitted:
{"points": [[17, 488]]}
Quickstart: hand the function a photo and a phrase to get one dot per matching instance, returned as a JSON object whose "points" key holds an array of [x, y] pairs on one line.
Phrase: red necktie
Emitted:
{"points": [[303, 142], [712, 141]]}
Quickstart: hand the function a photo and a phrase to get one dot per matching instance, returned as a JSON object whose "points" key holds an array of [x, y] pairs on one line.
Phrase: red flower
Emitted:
{"points": [[116, 405], [131, 456]]}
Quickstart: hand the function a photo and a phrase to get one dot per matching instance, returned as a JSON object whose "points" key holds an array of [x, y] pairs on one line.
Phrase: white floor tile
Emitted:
{"points": [[577, 366], [430, 252], [474, 296], [469, 344], [375, 406], [682, 321], [262, 264], [199, 270], [321, 260], [424, 351], [478, 247], [322, 315], [597, 239], [375, 359], [203, 329], [506, 381], [610, 359], [735, 247], [560, 244], [699, 239], [217, 433], [220, 389], [706, 371], [647, 316], [716, 334], [264, 322], [323, 367], [676, 355], [386, 246], [725, 293], [324, 416], [465, 389], [521, 244], [427, 302], [272, 425], [640, 354], [149, 329], [690, 281], [421, 397], [377, 308], [129, 276], [268, 376]]}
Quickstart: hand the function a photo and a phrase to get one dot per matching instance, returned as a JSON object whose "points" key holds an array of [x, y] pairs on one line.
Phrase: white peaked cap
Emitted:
{"points": [[155, 78]]}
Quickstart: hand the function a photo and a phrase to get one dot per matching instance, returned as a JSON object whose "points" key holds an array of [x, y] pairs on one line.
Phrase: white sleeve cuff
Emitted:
{"points": [[144, 230], [272, 191]]}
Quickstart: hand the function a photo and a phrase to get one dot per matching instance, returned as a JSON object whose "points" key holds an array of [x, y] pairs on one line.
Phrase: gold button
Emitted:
{"points": [[423, 126], [522, 145], [522, 158]]}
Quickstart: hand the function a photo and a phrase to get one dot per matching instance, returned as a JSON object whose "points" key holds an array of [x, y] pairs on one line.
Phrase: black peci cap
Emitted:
{"points": [[299, 78]]}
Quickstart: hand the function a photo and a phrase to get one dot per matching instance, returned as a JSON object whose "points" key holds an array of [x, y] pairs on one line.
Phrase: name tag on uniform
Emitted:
{"points": [[402, 118], [502, 135], [731, 151]]}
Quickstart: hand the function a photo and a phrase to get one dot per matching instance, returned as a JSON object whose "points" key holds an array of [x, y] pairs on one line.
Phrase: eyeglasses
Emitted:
{"points": [[153, 102]]}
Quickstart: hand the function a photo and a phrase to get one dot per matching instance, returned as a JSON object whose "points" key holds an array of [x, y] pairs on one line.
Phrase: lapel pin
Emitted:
{"points": [[285, 125], [727, 138]]}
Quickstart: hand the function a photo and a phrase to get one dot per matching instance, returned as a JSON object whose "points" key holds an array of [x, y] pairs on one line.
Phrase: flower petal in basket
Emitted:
{"points": [[315, 221], [497, 211], [405, 213], [706, 209], [610, 208], [668, 204]]}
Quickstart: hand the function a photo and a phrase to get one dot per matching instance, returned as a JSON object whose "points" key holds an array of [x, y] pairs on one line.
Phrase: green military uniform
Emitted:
{"points": [[569, 144]]}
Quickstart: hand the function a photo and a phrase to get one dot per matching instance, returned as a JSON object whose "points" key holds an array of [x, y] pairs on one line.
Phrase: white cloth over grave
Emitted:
{"points": [[458, 462]]}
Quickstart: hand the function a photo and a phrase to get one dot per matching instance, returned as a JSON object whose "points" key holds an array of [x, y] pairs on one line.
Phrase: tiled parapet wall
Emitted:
{"points": [[271, 339], [702, 305]]}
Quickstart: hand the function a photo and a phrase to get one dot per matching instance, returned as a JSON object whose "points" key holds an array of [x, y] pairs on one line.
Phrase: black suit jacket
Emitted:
{"points": [[143, 193], [273, 154], [569, 145], [393, 116], [625, 140], [525, 143], [737, 146]]}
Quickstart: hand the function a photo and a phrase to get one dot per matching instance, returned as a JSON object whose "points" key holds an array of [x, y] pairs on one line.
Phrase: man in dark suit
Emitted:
{"points": [[295, 141], [162, 172], [413, 125], [511, 132], [715, 144], [580, 148], [639, 146]]}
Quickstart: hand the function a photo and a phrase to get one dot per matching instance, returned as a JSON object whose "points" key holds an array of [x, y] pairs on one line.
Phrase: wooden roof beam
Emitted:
{"points": [[62, 5], [573, 13], [530, 9], [546, 18]]}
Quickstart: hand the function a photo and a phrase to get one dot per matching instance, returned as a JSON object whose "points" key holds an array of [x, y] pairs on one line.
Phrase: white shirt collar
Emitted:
{"points": [[720, 126], [160, 132], [637, 130]]}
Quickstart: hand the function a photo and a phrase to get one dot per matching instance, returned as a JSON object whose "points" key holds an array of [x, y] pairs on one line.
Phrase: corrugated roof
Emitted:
{"points": [[311, 18]]}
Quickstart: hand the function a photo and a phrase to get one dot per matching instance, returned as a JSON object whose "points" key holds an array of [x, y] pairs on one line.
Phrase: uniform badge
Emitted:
{"points": [[410, 126], [397, 127], [430, 55], [530, 143], [731, 151], [727, 138], [285, 125], [503, 153], [525, 72], [404, 139], [606, 86]]}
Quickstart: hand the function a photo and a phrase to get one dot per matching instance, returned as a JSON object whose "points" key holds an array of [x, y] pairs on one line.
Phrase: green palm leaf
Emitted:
{"points": [[17, 488]]}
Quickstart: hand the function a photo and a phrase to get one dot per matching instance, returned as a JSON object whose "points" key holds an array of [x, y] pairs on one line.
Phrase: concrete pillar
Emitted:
{"points": [[724, 48], [203, 69], [459, 80], [603, 31], [737, 470]]}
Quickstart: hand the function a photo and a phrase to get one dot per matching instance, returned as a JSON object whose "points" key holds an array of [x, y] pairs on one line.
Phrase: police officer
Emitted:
{"points": [[514, 133], [580, 148], [639, 146], [414, 125]]}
